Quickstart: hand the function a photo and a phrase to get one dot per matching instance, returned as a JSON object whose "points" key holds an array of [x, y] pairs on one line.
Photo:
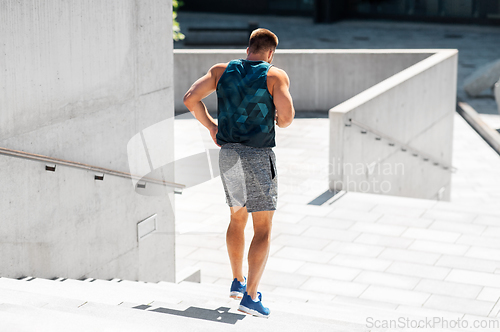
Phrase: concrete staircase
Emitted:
{"points": [[36, 304]]}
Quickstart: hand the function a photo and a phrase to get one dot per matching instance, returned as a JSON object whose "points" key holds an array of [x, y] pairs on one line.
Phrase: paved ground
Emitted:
{"points": [[411, 255], [477, 45]]}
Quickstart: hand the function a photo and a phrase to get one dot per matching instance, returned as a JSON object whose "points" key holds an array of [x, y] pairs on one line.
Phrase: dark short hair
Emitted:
{"points": [[262, 40]]}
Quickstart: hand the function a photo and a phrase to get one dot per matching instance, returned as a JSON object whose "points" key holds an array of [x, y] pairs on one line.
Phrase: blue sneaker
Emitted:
{"points": [[249, 306], [237, 289]]}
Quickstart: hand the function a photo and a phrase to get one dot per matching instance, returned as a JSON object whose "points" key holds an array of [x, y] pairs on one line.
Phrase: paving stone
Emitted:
{"points": [[458, 227], [277, 279], [283, 264], [209, 255], [448, 288], [405, 221], [312, 210], [347, 204], [376, 228], [305, 295], [354, 249], [392, 200], [394, 295], [307, 255], [492, 231], [419, 270], [293, 218], [431, 234], [331, 233], [495, 312], [336, 287], [387, 279], [474, 278], [453, 303], [439, 315], [327, 222], [358, 216], [274, 248], [449, 215], [365, 263], [439, 247], [479, 241], [328, 271], [487, 220], [468, 263], [399, 210], [483, 253], [286, 228], [384, 240], [489, 294], [408, 255], [295, 198], [300, 241], [364, 302]]}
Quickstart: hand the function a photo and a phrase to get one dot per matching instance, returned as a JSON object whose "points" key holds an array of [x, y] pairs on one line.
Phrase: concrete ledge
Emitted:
{"points": [[491, 136]]}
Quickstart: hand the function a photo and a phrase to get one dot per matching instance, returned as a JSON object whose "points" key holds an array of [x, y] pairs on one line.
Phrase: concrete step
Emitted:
{"points": [[101, 292], [57, 313], [25, 318], [198, 301]]}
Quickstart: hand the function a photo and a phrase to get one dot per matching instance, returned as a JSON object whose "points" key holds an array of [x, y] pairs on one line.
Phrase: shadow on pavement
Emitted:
{"points": [[221, 314]]}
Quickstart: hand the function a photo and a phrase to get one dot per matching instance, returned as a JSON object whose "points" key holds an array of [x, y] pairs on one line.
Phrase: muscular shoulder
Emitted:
{"points": [[277, 78], [278, 75], [217, 70]]}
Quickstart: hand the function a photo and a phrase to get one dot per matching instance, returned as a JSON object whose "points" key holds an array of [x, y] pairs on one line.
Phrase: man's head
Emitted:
{"points": [[264, 42]]}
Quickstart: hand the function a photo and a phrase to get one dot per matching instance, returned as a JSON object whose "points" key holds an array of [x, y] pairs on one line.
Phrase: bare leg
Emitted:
{"points": [[259, 249], [235, 240]]}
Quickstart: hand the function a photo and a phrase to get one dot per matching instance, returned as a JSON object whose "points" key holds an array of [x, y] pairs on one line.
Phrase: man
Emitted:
{"points": [[252, 96]]}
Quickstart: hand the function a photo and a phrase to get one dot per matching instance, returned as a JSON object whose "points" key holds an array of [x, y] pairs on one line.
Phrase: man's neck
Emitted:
{"points": [[257, 57]]}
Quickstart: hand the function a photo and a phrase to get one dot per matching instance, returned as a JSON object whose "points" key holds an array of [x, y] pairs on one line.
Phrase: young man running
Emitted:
{"points": [[252, 96]]}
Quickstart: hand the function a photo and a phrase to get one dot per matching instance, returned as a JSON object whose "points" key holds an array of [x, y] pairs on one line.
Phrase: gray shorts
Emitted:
{"points": [[249, 176]]}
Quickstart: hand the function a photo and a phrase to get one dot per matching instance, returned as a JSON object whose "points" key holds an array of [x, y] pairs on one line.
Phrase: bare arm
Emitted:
{"points": [[199, 90], [282, 99]]}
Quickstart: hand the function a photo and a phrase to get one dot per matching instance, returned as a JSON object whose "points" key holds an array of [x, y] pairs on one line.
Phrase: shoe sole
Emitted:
{"points": [[251, 312], [236, 295]]}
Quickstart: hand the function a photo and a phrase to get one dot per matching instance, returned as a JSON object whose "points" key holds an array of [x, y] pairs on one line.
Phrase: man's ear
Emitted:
{"points": [[247, 50], [270, 55]]}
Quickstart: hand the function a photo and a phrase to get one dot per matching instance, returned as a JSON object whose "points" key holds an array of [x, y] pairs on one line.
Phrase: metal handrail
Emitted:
{"points": [[403, 146], [74, 164]]}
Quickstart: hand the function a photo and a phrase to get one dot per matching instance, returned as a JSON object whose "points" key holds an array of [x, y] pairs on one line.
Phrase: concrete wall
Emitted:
{"points": [[320, 79], [79, 80], [413, 108]]}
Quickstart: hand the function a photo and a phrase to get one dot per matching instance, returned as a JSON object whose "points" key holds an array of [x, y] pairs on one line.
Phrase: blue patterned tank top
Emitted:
{"points": [[245, 108]]}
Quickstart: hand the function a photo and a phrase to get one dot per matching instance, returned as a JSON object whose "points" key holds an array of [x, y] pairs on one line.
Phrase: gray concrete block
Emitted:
{"points": [[496, 90], [482, 79], [96, 75]]}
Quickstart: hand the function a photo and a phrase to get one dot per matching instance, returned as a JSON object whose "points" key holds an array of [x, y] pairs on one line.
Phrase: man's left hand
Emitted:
{"points": [[213, 132]]}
